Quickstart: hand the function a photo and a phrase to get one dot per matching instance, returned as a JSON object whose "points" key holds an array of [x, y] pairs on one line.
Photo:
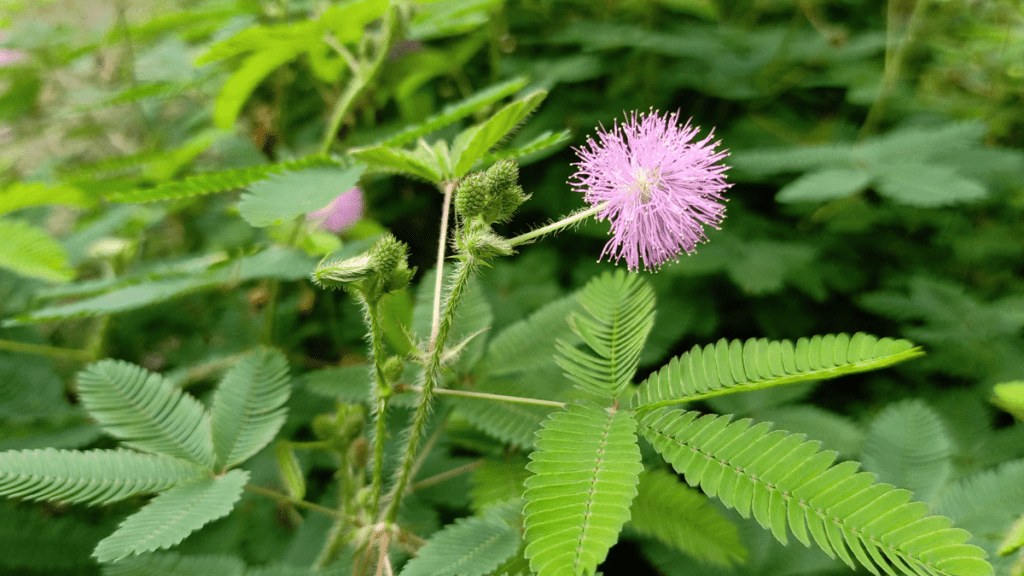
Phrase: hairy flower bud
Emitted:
{"points": [[393, 368], [473, 195], [503, 174], [338, 273], [387, 253]]}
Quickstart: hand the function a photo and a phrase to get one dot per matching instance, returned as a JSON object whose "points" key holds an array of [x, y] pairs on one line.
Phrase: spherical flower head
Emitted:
{"points": [[341, 213], [661, 187]]}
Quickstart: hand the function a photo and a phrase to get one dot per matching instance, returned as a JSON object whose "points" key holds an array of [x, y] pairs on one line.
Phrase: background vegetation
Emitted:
{"points": [[876, 165]]}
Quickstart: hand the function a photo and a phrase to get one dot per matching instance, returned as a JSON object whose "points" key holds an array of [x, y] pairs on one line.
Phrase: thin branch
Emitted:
{"points": [[488, 396], [51, 351], [281, 497], [444, 476], [556, 226], [442, 244]]}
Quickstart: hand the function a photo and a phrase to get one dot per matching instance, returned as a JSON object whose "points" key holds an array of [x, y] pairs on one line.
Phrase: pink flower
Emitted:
{"points": [[341, 213], [661, 187]]}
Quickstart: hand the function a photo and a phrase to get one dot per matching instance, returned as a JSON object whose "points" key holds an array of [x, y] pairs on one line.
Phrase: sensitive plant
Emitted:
{"points": [[586, 467], [439, 369]]}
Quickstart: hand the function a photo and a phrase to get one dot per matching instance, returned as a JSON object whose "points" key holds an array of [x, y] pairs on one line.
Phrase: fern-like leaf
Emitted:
{"points": [[146, 411], [455, 112], [728, 367], [280, 198], [173, 564], [512, 423], [527, 344], [498, 481], [471, 546], [248, 408], [907, 445], [586, 468], [783, 480], [212, 182], [474, 142], [31, 252], [619, 316], [681, 517], [92, 477], [173, 515]]}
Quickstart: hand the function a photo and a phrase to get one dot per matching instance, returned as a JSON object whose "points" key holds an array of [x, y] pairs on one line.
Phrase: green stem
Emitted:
{"points": [[51, 351], [361, 78], [442, 243], [383, 393], [463, 272], [556, 226], [894, 64], [293, 501], [488, 396], [275, 287]]}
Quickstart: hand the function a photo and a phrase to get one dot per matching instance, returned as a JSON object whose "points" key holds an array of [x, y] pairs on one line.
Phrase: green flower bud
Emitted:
{"points": [[387, 253], [503, 174], [511, 198], [339, 273], [323, 426], [473, 195], [393, 368]]}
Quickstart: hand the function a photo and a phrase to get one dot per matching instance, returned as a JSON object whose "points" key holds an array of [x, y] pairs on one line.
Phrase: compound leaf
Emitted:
{"points": [[619, 316], [282, 197], [681, 517], [473, 143], [146, 411], [248, 408], [586, 468], [907, 445], [91, 477], [31, 252], [470, 546], [173, 515], [784, 481], [212, 182], [727, 367]]}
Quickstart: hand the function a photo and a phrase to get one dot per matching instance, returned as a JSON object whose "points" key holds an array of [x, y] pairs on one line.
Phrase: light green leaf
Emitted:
{"points": [[248, 407], [470, 546], [91, 477], [926, 185], [173, 515], [728, 367], [907, 446], [173, 564], [544, 144], [281, 198], [145, 411], [421, 162], [31, 252], [473, 143], [681, 517], [824, 185], [586, 468], [240, 85], [21, 195], [259, 38], [212, 182], [1010, 397], [785, 481], [455, 112], [619, 317]]}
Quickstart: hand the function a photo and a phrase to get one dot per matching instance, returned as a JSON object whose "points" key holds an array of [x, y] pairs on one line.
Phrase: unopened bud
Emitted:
{"points": [[503, 174], [393, 368], [387, 253], [473, 195], [337, 273]]}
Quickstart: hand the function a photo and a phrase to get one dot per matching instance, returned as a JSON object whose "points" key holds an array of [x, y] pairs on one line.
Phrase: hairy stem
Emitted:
{"points": [[894, 60], [382, 390], [488, 396], [362, 76], [463, 272], [556, 226]]}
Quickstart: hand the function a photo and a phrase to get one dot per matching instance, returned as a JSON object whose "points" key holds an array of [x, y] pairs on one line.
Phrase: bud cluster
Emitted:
{"points": [[483, 199], [382, 269], [491, 196]]}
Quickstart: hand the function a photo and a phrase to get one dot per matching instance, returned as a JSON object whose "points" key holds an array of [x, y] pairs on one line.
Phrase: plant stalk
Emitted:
{"points": [[442, 244], [556, 226], [51, 351], [463, 272], [362, 76], [488, 396]]}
